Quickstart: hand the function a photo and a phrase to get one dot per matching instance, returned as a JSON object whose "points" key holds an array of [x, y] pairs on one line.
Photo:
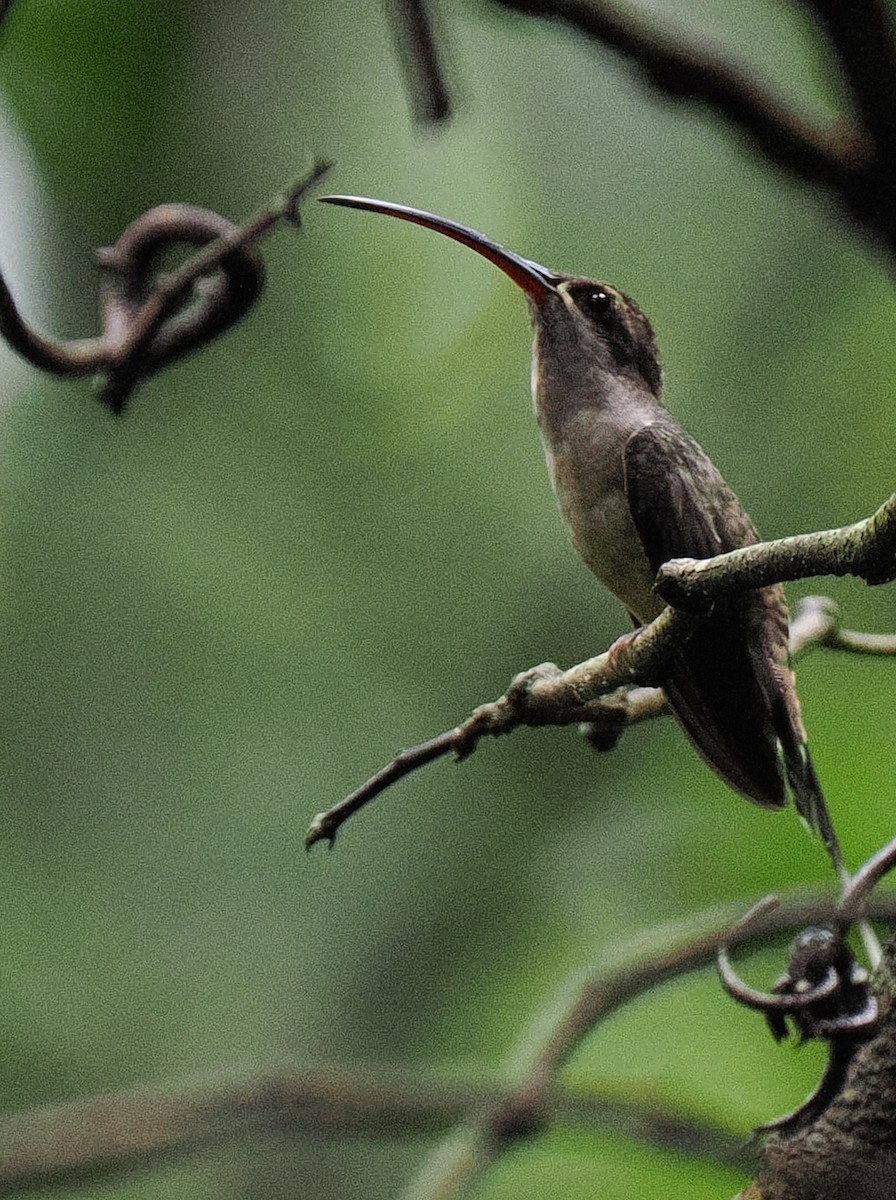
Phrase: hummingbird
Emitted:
{"points": [[636, 491]]}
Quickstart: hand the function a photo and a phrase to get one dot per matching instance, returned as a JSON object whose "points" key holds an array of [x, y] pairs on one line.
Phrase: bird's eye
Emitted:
{"points": [[596, 303]]}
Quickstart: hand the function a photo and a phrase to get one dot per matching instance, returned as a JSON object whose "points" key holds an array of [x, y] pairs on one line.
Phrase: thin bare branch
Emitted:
{"points": [[73, 359], [143, 334], [811, 623], [544, 695], [455, 1167], [688, 949], [854, 642], [87, 1140], [816, 622], [866, 879], [593, 694], [325, 825], [866, 549], [851, 161]]}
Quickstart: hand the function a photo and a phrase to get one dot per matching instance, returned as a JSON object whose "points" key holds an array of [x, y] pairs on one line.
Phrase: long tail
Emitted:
{"points": [[813, 808], [810, 801], [723, 704]]}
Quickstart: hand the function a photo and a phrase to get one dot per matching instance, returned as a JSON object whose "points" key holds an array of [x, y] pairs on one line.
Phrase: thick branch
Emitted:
{"points": [[850, 1149]]}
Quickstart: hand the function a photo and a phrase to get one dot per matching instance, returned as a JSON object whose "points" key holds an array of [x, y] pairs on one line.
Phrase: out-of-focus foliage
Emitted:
{"points": [[330, 535]]}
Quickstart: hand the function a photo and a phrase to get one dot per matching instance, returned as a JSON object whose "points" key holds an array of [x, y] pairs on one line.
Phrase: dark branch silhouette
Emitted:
{"points": [[851, 159], [419, 53], [861, 37], [685, 69]]}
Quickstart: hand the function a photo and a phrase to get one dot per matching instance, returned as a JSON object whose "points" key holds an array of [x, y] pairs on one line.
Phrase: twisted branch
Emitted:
{"points": [[527, 1108], [148, 322]]}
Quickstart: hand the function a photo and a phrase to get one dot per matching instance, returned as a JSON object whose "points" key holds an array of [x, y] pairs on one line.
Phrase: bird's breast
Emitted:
{"points": [[586, 469]]}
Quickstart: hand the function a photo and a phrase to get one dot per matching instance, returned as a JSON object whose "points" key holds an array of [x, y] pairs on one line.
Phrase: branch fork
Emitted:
{"points": [[619, 687]]}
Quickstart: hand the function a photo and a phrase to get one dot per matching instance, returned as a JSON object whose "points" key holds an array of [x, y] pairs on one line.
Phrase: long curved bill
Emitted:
{"points": [[537, 282]]}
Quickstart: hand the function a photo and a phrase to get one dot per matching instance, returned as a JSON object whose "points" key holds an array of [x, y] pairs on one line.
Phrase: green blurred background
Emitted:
{"points": [[331, 534]]}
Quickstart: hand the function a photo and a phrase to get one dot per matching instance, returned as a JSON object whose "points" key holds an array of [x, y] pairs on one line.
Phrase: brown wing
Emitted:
{"points": [[728, 686]]}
